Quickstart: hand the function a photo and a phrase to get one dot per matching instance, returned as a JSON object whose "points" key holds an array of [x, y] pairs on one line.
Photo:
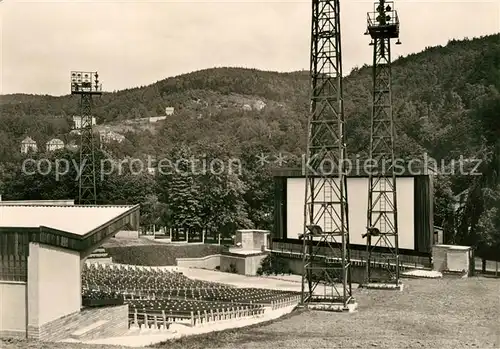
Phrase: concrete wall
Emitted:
{"points": [[245, 265], [12, 309], [439, 258], [357, 272], [451, 258], [208, 262], [358, 205], [251, 240], [238, 262], [252, 264], [127, 234], [54, 285], [457, 260]]}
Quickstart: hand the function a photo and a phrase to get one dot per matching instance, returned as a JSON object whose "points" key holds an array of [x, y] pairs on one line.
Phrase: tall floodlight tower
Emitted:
{"points": [[326, 257], [86, 84], [382, 225]]}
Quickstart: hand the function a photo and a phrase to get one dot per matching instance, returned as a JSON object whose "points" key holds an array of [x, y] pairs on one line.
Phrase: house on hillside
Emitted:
{"points": [[154, 119], [72, 146], [28, 145], [54, 144], [169, 111], [259, 105], [107, 136], [77, 122]]}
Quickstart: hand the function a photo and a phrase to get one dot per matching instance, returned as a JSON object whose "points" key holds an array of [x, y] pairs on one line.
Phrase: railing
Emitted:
{"points": [[159, 320], [357, 257], [373, 19], [147, 319]]}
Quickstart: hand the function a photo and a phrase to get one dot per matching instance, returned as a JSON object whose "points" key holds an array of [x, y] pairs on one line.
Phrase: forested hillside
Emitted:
{"points": [[446, 102]]}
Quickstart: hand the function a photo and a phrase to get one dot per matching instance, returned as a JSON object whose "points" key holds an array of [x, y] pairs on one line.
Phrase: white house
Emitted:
{"points": [[110, 136], [28, 144], [77, 122], [169, 111], [259, 105], [154, 119], [54, 144]]}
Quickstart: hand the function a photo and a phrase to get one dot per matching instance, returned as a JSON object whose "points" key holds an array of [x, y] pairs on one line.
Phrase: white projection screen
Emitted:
{"points": [[357, 191]]}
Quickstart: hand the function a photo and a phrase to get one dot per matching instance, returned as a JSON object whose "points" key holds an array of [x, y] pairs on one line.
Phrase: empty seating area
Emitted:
{"points": [[157, 295], [132, 279], [220, 295], [179, 307], [91, 298]]}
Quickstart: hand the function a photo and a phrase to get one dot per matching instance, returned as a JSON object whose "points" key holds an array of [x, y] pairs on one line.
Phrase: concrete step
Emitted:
{"points": [[99, 255], [455, 274], [89, 330]]}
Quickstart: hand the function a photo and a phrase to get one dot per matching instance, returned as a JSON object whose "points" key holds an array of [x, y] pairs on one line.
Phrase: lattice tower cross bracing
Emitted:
{"points": [[326, 256], [86, 84], [382, 217]]}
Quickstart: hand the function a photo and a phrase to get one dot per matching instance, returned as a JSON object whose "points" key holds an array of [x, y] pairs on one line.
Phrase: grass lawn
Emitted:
{"points": [[435, 314]]}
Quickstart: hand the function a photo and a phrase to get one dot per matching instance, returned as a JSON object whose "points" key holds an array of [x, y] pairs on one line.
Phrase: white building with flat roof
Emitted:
{"points": [[77, 122], [42, 251]]}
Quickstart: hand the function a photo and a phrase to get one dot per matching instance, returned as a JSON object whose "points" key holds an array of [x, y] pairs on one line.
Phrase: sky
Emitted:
{"points": [[135, 43]]}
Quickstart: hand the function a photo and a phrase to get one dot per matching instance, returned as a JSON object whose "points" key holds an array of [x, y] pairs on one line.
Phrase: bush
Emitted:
{"points": [[232, 269], [273, 265]]}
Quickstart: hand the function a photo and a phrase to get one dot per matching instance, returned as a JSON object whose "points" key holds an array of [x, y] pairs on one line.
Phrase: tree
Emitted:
{"points": [[154, 212]]}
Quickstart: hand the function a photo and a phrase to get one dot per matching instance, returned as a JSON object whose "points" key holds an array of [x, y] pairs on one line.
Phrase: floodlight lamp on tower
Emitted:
{"points": [[85, 82]]}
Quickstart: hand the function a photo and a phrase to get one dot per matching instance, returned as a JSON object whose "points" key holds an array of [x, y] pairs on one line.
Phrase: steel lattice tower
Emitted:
{"points": [[326, 257], [86, 84], [382, 220]]}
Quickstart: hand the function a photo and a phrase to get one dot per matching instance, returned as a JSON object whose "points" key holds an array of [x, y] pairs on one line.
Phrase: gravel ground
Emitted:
{"points": [[442, 313]]}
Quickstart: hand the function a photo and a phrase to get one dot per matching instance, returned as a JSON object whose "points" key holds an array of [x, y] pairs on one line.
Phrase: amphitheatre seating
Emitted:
{"points": [[180, 307], [95, 298], [155, 294], [129, 279]]}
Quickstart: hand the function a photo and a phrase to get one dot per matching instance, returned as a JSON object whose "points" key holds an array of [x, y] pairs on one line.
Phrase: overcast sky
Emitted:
{"points": [[133, 43]]}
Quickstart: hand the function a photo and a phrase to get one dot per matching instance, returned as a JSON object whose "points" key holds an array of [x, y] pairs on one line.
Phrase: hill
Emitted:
{"points": [[446, 101]]}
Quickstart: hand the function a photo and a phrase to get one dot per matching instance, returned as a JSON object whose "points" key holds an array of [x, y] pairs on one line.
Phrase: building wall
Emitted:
{"points": [[457, 260], [77, 120], [158, 118], [245, 265], [252, 264], [251, 240], [54, 285], [238, 262], [12, 309], [438, 258], [451, 258]]}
